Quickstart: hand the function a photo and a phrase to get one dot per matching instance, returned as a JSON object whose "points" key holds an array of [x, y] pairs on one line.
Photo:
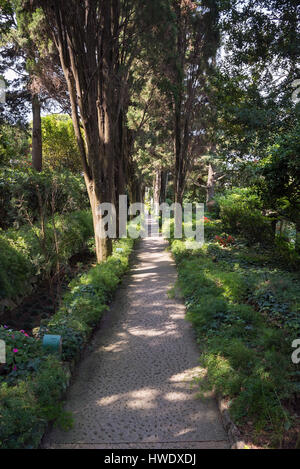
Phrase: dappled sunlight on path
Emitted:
{"points": [[135, 388]]}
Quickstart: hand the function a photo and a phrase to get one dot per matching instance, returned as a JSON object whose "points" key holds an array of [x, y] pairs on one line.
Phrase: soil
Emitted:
{"points": [[45, 300], [266, 439]]}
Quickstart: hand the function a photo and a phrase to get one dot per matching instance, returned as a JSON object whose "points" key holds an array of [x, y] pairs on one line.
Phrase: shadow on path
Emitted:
{"points": [[134, 390]]}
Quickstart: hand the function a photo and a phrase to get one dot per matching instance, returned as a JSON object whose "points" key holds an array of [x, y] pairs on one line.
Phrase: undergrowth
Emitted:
{"points": [[32, 383], [246, 315]]}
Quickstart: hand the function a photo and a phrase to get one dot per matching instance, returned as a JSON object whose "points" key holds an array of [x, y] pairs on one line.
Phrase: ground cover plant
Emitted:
{"points": [[162, 101], [245, 310], [40, 249], [32, 382]]}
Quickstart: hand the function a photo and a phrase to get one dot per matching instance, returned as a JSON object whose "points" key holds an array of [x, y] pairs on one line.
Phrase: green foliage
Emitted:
{"points": [[48, 386], [287, 253], [14, 146], [28, 195], [27, 406], [20, 424], [60, 148], [33, 397], [254, 107], [211, 228], [277, 297], [87, 299], [240, 213], [246, 316], [23, 355], [279, 188], [15, 268], [31, 251]]}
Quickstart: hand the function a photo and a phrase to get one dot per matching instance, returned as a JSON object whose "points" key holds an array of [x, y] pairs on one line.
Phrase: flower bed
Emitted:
{"points": [[33, 382]]}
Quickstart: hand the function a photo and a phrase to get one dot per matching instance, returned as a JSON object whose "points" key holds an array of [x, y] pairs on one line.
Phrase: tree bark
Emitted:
{"points": [[179, 197], [297, 244], [164, 186], [178, 100], [121, 152], [135, 185], [156, 190], [37, 149], [87, 42], [103, 246], [136, 190], [211, 182]]}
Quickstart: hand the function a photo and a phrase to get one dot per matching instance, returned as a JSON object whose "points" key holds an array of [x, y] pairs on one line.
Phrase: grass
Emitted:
{"points": [[246, 315]]}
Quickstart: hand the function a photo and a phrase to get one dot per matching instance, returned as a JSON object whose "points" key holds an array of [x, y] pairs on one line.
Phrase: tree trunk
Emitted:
{"points": [[37, 151], [88, 42], [177, 150], [136, 188], [297, 244], [179, 197], [163, 186], [121, 149], [142, 193], [103, 246], [211, 182], [96, 151], [273, 227], [178, 100], [156, 190]]}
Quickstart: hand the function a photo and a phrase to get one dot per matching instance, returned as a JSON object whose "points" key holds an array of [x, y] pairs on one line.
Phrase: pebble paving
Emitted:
{"points": [[135, 388]]}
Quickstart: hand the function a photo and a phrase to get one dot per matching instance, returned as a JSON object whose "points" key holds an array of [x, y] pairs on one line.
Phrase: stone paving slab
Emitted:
{"points": [[135, 388]]}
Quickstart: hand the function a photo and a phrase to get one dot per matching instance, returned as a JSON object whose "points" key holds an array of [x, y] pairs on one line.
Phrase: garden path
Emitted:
{"points": [[133, 389]]}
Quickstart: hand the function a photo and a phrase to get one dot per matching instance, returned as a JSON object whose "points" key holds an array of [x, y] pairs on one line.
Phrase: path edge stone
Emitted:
{"points": [[71, 366], [234, 434]]}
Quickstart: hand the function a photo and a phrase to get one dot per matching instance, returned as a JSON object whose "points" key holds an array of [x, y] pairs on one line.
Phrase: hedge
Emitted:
{"points": [[30, 397]]}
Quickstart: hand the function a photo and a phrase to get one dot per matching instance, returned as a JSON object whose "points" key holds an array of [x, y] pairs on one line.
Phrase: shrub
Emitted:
{"points": [[87, 299], [48, 385], [15, 269], [60, 149], [25, 194], [31, 251], [279, 180], [287, 252], [225, 240], [212, 228], [20, 424], [245, 319], [14, 146], [23, 355], [26, 406], [240, 212]]}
